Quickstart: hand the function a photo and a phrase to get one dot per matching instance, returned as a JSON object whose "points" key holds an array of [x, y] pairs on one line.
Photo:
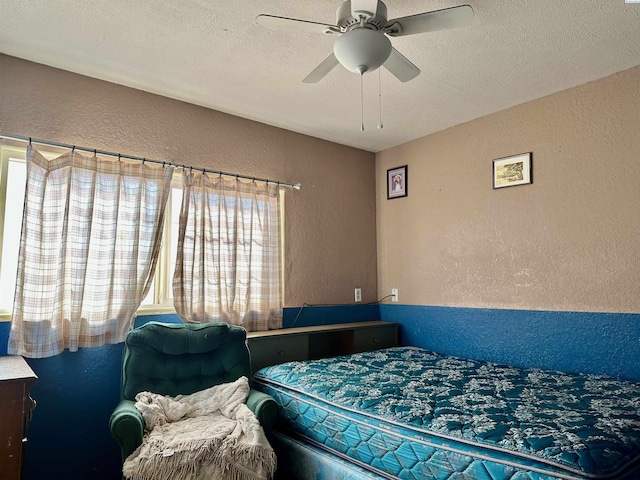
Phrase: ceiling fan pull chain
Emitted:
{"points": [[380, 125], [361, 103]]}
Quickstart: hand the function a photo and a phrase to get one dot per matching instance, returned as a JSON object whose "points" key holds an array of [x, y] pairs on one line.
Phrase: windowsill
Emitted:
{"points": [[156, 310]]}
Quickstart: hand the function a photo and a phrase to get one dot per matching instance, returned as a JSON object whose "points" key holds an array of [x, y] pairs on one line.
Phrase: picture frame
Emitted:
{"points": [[397, 182], [512, 171]]}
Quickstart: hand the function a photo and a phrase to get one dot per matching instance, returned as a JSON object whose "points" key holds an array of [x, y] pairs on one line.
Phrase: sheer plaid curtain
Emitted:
{"points": [[228, 261], [91, 231]]}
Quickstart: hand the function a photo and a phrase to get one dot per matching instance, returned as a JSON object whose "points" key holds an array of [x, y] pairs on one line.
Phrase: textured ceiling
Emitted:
{"points": [[212, 53]]}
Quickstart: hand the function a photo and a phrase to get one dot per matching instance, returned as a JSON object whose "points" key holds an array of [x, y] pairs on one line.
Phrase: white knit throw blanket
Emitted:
{"points": [[210, 434]]}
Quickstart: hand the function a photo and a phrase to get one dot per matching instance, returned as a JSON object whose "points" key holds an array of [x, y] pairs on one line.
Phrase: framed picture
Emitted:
{"points": [[512, 171], [397, 182]]}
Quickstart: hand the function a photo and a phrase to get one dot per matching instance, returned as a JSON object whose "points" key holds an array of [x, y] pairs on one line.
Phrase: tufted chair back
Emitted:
{"points": [[172, 359]]}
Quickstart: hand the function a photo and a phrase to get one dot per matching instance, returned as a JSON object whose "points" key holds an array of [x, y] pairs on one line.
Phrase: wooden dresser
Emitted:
{"points": [[309, 343], [16, 381]]}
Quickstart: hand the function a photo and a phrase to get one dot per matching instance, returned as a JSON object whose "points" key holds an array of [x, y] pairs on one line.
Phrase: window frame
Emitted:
{"points": [[8, 153]]}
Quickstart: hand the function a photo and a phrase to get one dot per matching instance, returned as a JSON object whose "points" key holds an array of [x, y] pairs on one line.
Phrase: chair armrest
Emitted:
{"points": [[264, 407], [127, 427]]}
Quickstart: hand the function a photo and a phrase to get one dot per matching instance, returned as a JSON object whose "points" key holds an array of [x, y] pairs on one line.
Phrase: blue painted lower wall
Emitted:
{"points": [[329, 315], [76, 392], [604, 343]]}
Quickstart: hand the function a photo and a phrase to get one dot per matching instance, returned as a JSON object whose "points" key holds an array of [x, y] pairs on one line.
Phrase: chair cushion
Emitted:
{"points": [[173, 359]]}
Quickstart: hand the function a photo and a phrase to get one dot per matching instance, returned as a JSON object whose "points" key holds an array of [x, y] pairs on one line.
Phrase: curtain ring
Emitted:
{"points": [[73, 149], [143, 160], [95, 152], [119, 159], [29, 140]]}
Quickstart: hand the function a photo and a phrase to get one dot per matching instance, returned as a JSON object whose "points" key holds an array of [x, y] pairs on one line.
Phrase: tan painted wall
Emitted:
{"points": [[569, 241], [330, 240]]}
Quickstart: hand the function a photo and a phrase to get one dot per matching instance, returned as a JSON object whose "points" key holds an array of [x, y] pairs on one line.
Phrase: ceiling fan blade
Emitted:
{"points": [[321, 70], [271, 21], [399, 66], [461, 16], [364, 7]]}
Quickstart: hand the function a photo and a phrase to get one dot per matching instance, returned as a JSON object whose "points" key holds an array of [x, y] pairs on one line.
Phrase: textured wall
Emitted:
{"points": [[330, 224], [569, 241]]}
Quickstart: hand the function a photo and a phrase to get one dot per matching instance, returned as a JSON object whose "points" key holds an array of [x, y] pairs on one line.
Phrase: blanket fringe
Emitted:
{"points": [[249, 462]]}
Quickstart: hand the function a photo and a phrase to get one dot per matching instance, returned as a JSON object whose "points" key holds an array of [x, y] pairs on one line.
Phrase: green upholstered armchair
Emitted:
{"points": [[173, 359]]}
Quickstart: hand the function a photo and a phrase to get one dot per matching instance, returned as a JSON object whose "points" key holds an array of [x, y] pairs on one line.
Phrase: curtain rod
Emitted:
{"points": [[295, 186]]}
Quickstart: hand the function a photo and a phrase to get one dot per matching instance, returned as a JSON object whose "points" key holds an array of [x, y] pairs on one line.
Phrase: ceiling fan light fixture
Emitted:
{"points": [[362, 50]]}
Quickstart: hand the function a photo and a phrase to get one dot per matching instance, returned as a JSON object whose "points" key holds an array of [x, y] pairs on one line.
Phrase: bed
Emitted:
{"points": [[409, 413]]}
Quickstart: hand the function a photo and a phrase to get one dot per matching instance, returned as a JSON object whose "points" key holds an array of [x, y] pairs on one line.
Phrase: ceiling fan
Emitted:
{"points": [[363, 44]]}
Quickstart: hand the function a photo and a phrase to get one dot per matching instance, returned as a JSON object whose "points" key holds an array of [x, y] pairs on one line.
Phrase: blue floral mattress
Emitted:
{"points": [[413, 414]]}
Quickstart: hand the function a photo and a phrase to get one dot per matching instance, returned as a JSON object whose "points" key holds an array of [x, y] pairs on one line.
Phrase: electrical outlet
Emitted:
{"points": [[358, 294], [394, 294]]}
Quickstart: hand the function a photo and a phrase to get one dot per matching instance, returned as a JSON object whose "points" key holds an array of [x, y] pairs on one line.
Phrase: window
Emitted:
{"points": [[12, 185], [13, 170]]}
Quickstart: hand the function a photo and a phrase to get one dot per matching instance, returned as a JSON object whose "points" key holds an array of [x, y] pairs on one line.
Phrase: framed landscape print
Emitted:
{"points": [[397, 185], [512, 171]]}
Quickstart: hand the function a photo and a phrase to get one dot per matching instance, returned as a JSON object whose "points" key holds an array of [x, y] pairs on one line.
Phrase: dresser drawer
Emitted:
{"points": [[274, 350], [375, 338], [16, 381]]}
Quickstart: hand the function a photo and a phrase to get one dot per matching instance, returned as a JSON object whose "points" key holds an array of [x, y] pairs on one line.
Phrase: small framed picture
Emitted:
{"points": [[397, 185], [512, 171]]}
